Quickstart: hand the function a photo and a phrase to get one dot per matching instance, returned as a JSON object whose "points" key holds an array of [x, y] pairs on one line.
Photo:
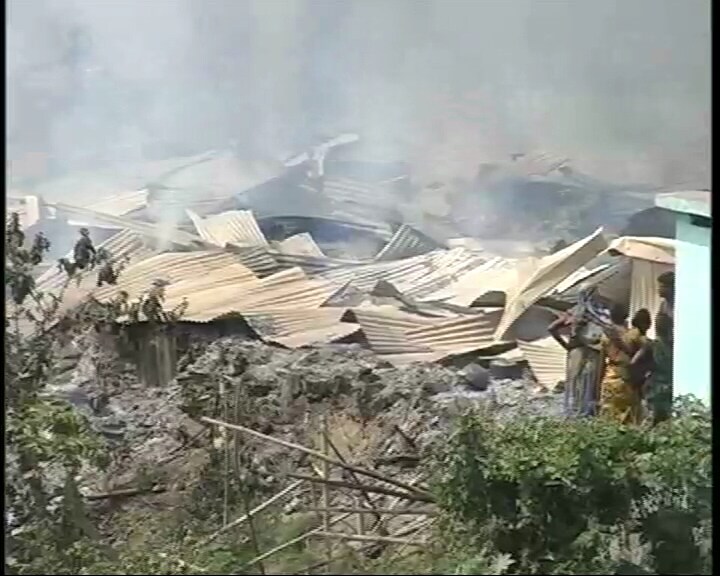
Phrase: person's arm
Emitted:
{"points": [[614, 335], [642, 354], [554, 330]]}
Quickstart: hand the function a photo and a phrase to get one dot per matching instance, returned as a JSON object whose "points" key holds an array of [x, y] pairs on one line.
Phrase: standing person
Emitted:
{"points": [[620, 398], [659, 391], [584, 362], [666, 291], [84, 251], [640, 362]]}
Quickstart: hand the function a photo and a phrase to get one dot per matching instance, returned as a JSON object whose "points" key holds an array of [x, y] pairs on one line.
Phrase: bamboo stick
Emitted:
{"points": [[325, 488], [321, 456], [414, 497], [259, 508], [361, 510], [370, 538], [366, 496], [289, 543]]}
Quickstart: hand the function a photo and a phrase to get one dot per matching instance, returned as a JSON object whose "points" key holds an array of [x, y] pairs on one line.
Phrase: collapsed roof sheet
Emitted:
{"points": [[415, 277], [546, 274], [405, 243], [161, 232], [125, 246], [301, 244], [204, 267], [236, 226], [645, 248], [497, 274], [294, 328], [386, 329], [547, 360], [458, 335], [289, 289]]}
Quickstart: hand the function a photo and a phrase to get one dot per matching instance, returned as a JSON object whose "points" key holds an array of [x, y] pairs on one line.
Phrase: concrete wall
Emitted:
{"points": [[692, 310]]}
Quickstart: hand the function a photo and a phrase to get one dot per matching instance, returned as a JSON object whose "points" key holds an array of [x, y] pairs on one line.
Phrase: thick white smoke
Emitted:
{"points": [[621, 87]]}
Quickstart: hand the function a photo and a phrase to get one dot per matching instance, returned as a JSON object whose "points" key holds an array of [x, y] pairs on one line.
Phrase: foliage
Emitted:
{"points": [[582, 496]]}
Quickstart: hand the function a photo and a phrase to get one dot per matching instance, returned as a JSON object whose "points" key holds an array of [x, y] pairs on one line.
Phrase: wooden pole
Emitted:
{"points": [[369, 538], [321, 456], [378, 518], [413, 497], [361, 510], [325, 488], [289, 543], [269, 502]]}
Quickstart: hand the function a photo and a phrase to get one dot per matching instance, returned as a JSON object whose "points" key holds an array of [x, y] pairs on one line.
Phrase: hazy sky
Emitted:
{"points": [[622, 87]]}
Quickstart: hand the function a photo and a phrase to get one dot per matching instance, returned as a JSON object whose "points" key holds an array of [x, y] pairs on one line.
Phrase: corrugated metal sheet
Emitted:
{"points": [[290, 289], [310, 264], [300, 245], [121, 204], [386, 329], [547, 274], [547, 360], [294, 328], [204, 267], [416, 277], [257, 258], [159, 231], [643, 291], [496, 274], [580, 275], [612, 283], [646, 248], [126, 246], [458, 335], [236, 226], [405, 243]]}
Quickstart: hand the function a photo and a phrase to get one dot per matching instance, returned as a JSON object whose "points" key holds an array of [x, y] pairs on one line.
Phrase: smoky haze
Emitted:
{"points": [[621, 87]]}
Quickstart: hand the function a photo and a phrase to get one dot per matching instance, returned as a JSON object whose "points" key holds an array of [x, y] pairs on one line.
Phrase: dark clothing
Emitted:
{"points": [[83, 252], [660, 385]]}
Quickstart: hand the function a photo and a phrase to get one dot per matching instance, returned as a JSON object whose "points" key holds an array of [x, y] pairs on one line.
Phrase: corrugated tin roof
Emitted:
{"points": [[497, 274], [458, 335], [416, 277], [257, 258], [612, 283], [300, 327], [547, 360], [289, 289], [159, 231], [580, 275], [405, 243], [236, 226], [126, 245], [645, 248], [204, 267], [386, 329], [301, 244], [643, 290], [547, 274]]}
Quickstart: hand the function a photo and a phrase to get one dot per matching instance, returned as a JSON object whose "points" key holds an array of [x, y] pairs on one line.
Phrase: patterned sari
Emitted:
{"points": [[620, 395]]}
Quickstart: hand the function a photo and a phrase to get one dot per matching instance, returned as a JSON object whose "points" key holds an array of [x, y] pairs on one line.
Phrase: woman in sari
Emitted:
{"points": [[620, 391], [584, 363]]}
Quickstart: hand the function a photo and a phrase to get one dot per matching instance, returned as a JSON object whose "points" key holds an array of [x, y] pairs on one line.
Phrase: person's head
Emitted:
{"points": [[618, 314], [641, 320], [666, 285], [84, 232], [664, 327]]}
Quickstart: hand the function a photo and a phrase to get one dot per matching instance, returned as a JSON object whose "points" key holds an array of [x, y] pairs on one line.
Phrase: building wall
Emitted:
{"points": [[692, 310]]}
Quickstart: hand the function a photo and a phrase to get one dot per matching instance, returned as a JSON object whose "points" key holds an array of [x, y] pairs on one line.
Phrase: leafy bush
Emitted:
{"points": [[538, 496]]}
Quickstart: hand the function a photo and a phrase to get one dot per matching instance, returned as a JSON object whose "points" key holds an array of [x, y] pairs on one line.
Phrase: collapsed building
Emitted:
{"points": [[351, 253]]}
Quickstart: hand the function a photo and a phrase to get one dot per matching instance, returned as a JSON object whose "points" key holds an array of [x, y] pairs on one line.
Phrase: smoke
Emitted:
{"points": [[622, 87]]}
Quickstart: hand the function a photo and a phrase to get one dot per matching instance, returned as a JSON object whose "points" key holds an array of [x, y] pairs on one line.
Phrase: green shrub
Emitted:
{"points": [[546, 496]]}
